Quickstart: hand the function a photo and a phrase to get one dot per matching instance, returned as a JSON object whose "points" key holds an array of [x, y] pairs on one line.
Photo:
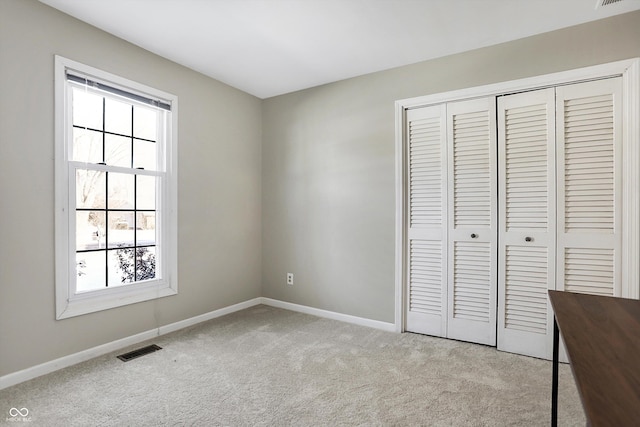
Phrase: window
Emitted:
{"points": [[115, 191]]}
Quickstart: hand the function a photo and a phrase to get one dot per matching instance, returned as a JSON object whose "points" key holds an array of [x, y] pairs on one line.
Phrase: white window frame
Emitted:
{"points": [[68, 302]]}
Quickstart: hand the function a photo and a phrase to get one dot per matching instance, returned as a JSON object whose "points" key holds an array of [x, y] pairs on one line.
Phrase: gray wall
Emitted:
{"points": [[219, 188], [328, 195]]}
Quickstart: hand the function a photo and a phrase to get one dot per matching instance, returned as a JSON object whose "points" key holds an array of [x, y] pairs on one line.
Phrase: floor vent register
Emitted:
{"points": [[139, 352]]}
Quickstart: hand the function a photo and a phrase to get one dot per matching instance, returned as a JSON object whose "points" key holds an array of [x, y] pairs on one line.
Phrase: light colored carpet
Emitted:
{"points": [[270, 367]]}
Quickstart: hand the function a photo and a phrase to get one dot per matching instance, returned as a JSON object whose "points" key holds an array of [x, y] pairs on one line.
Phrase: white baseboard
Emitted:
{"points": [[208, 316], [72, 359], [376, 324], [82, 356]]}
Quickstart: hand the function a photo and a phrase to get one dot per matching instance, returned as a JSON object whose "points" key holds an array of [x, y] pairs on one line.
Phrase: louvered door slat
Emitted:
{"points": [[526, 169], [589, 271], [472, 278], [526, 311], [472, 212], [425, 172], [591, 116], [425, 278]]}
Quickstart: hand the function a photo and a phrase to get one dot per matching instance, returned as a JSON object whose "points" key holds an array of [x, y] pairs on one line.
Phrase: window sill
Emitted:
{"points": [[112, 298]]}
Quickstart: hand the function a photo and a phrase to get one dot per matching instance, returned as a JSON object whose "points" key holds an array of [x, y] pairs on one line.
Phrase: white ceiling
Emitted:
{"points": [[271, 47]]}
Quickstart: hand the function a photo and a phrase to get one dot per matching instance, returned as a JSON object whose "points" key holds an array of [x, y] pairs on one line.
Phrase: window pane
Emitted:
{"points": [[90, 270], [90, 230], [144, 154], [87, 109], [121, 267], [90, 189], [87, 146], [121, 191], [146, 228], [120, 233], [117, 117], [145, 123], [146, 263], [117, 150], [146, 192]]}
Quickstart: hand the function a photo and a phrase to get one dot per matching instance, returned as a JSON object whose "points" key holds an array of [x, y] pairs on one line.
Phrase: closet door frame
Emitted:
{"points": [[629, 70]]}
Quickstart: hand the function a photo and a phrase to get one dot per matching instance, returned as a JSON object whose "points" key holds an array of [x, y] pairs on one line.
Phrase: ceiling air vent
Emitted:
{"points": [[603, 3], [139, 352]]}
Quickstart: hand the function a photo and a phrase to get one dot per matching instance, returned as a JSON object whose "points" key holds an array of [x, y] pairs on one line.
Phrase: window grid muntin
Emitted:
{"points": [[112, 133]]}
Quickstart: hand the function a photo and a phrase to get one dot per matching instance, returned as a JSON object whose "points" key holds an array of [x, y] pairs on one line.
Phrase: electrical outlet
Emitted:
{"points": [[289, 278]]}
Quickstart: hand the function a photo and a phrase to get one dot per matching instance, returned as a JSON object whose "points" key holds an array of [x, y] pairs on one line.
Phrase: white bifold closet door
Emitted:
{"points": [[426, 276], [589, 148], [526, 264], [452, 213], [560, 187], [472, 219]]}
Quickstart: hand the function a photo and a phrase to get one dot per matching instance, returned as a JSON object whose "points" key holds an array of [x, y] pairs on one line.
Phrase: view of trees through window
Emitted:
{"points": [[113, 148]]}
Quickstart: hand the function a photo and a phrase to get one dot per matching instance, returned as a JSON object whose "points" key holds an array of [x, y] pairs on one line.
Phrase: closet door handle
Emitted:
{"points": [[528, 239], [474, 235]]}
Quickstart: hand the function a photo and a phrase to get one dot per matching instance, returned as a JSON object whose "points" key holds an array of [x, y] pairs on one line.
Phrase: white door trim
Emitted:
{"points": [[630, 72], [631, 179]]}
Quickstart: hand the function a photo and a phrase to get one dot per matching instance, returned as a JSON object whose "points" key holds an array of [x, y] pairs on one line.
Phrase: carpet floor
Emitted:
{"points": [[265, 366]]}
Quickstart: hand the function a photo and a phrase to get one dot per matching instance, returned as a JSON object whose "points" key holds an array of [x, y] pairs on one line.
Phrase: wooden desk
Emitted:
{"points": [[602, 338]]}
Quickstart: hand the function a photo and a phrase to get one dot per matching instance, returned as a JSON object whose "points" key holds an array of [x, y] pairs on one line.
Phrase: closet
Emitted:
{"points": [[507, 196]]}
